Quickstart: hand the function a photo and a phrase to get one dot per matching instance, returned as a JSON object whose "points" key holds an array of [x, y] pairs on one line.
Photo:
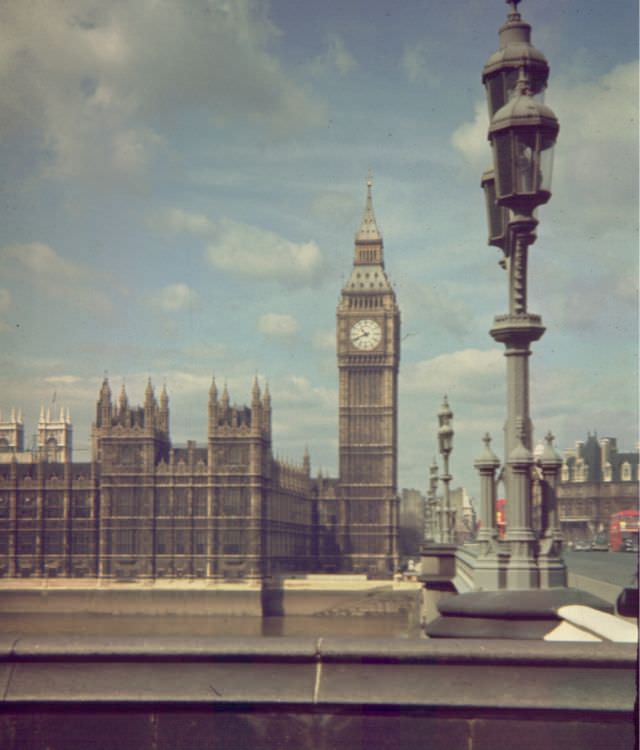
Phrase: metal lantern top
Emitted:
{"points": [[500, 73], [445, 414], [445, 432], [522, 135], [445, 439]]}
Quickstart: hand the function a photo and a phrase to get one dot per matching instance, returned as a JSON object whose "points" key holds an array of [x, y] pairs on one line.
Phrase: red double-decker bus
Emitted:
{"points": [[501, 517], [623, 531]]}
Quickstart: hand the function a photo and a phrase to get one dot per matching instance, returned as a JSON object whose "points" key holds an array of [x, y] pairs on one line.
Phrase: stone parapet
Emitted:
{"points": [[314, 693]]}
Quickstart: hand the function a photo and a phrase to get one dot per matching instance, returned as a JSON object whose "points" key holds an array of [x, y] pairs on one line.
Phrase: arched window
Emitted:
{"points": [[606, 472], [626, 472], [51, 449]]}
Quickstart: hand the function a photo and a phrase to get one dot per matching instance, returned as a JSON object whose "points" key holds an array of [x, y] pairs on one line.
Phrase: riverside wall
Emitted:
{"points": [[313, 595]]}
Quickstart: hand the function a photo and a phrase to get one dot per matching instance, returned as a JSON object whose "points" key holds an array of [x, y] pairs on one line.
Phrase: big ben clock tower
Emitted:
{"points": [[368, 341]]}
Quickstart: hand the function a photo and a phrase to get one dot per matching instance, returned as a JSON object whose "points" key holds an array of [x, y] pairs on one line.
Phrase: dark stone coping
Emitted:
{"points": [[539, 604], [255, 649], [307, 675]]}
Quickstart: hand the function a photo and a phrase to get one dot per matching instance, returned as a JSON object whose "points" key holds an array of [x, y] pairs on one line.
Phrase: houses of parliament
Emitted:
{"points": [[143, 508]]}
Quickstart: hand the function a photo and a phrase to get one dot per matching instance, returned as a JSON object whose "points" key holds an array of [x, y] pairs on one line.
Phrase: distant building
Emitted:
{"points": [[465, 515], [596, 481], [53, 441]]}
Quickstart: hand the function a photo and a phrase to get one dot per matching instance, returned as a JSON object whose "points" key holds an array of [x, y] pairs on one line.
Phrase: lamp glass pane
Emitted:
{"points": [[496, 215], [510, 78], [526, 172], [546, 168], [495, 93], [502, 164]]}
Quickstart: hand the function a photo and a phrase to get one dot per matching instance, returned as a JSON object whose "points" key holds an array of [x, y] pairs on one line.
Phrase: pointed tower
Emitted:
{"points": [[163, 412], [55, 438], [256, 407], [123, 407], [368, 250], [368, 341], [104, 407], [150, 407], [266, 409], [12, 433]]}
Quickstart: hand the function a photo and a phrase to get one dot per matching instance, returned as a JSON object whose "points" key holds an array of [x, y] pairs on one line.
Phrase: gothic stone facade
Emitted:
{"points": [[144, 509]]}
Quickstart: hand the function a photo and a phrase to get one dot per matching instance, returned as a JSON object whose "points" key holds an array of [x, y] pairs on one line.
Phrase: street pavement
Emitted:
{"points": [[618, 568]]}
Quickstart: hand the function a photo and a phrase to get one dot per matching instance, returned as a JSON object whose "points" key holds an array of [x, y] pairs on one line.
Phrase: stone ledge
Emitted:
{"points": [[468, 675]]}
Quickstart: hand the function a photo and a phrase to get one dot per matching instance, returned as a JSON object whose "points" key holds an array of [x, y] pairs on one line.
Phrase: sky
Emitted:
{"points": [[182, 182]]}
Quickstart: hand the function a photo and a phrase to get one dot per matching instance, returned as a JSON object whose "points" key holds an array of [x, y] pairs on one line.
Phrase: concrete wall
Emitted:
{"points": [[240, 602], [254, 694], [318, 595]]}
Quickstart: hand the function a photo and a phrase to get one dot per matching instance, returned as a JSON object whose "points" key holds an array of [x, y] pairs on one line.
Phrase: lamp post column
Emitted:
{"points": [[445, 441], [431, 519]]}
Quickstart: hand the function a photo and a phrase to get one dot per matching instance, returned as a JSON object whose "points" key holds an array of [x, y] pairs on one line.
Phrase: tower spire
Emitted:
{"points": [[368, 231]]}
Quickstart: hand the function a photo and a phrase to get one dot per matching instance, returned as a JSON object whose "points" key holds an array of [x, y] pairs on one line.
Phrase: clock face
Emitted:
{"points": [[365, 334]]}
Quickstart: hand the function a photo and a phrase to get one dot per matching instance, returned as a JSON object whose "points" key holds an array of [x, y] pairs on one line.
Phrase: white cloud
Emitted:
{"points": [[65, 281], [595, 175], [175, 298], [261, 254], [470, 139], [275, 324], [88, 77], [469, 374]]}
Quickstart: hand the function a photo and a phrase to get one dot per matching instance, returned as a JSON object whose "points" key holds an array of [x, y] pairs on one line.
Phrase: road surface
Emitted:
{"points": [[618, 568]]}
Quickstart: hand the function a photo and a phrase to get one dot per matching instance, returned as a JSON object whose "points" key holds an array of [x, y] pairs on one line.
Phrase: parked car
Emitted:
{"points": [[600, 543], [582, 545], [630, 544]]}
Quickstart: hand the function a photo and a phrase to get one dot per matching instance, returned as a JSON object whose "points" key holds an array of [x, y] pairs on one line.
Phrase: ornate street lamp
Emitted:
{"points": [[431, 521], [500, 73], [522, 133], [445, 444]]}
